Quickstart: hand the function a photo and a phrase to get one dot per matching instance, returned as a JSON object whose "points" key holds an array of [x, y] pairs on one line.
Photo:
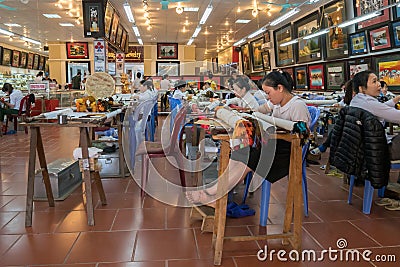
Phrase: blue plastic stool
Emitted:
{"points": [[368, 194]]}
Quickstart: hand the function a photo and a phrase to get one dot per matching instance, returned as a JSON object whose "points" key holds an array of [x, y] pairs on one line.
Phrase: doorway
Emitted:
{"points": [[74, 67]]}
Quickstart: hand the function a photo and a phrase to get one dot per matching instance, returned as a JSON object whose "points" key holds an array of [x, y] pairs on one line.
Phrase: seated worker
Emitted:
{"points": [[244, 98], [207, 90], [385, 95], [11, 107], [180, 91], [260, 157], [212, 83], [368, 88], [146, 91]]}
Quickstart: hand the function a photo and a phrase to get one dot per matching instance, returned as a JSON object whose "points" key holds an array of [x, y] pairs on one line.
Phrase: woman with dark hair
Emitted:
{"points": [[146, 91], [260, 158], [11, 107], [244, 98], [385, 95], [368, 87]]}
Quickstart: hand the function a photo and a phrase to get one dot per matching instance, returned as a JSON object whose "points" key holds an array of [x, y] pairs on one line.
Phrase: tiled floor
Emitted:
{"points": [[147, 233]]}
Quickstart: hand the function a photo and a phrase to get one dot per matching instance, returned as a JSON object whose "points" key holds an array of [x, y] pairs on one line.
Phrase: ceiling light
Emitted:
{"points": [[140, 41], [196, 32], [241, 41], [257, 32], [128, 12], [12, 24], [254, 12], [359, 19], [190, 41], [30, 40], [136, 30], [190, 9], [242, 21], [285, 16], [289, 42], [179, 10], [6, 32], [52, 16], [66, 24], [206, 14], [315, 34]]}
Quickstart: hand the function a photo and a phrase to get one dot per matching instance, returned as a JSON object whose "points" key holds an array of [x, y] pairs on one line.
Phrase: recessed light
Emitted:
{"points": [[12, 24], [243, 21], [66, 24], [52, 16], [191, 9]]}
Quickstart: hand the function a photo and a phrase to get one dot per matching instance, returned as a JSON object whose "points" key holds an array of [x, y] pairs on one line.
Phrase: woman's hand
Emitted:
{"points": [[396, 99]]}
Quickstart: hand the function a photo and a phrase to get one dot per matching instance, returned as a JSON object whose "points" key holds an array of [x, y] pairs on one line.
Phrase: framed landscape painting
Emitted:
{"points": [[284, 55], [167, 50], [308, 49], [379, 39], [316, 77]]}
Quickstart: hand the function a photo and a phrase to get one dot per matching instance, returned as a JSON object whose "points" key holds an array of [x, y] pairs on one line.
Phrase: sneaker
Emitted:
{"points": [[384, 202], [315, 151], [394, 206], [323, 167]]}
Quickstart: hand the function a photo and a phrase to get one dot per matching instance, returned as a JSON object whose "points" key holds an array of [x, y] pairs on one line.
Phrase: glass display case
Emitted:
{"points": [[66, 99], [18, 80]]}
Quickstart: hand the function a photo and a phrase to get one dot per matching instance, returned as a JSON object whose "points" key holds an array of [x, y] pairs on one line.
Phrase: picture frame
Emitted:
{"points": [[41, 63], [77, 50], [167, 50], [30, 61], [396, 13], [358, 65], [245, 58], [396, 34], [16, 55], [358, 43], [362, 7], [114, 27], [284, 55], [35, 62], [316, 75], [290, 71], [119, 35], [256, 57], [168, 67], [266, 60], [385, 67], [7, 57], [379, 38], [93, 18], [108, 20], [308, 50], [301, 78], [335, 75], [123, 40], [24, 60], [214, 62], [336, 40]]}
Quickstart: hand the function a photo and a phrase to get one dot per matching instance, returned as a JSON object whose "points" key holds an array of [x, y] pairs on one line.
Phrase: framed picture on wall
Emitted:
{"points": [[120, 31], [16, 55], [108, 19], [358, 43], [41, 63], [290, 71], [30, 61], [245, 58], [7, 57], [362, 7], [379, 38], [167, 50], [167, 67], [114, 27], [266, 60], [214, 62], [93, 18], [316, 76], [396, 12], [335, 75], [256, 57], [123, 40], [300, 81], [35, 62], [387, 68], [336, 42], [358, 65], [24, 60], [396, 34], [283, 54], [77, 50], [308, 49]]}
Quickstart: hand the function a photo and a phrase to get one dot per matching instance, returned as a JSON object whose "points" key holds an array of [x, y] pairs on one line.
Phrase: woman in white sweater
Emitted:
{"points": [[244, 98]]}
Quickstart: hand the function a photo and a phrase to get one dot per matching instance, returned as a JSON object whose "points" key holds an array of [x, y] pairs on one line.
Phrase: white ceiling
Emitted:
{"points": [[167, 24]]}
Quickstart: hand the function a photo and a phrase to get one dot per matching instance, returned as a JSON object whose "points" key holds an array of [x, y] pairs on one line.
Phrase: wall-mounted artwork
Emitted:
{"points": [[388, 68], [300, 81], [316, 77], [167, 67], [35, 62], [30, 61], [396, 34], [114, 27], [256, 57], [77, 50], [358, 43], [41, 63], [335, 75], [24, 60], [362, 7], [284, 55], [93, 18], [266, 60], [167, 50], [379, 38], [336, 39], [246, 58], [356, 66], [308, 49], [7, 57], [16, 55], [108, 19]]}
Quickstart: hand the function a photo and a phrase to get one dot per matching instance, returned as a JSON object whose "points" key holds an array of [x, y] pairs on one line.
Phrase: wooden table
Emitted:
{"points": [[293, 212], [36, 144]]}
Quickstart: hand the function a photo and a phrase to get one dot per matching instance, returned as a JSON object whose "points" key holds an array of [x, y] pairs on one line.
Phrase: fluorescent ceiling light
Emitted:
{"points": [[206, 14], [191, 9], [285, 16], [243, 21], [26, 39], [359, 19], [315, 34], [8, 33], [140, 41], [52, 16], [196, 32], [66, 24], [128, 12], [290, 42], [136, 31], [314, 1], [12, 24], [241, 41], [257, 32], [190, 41]]}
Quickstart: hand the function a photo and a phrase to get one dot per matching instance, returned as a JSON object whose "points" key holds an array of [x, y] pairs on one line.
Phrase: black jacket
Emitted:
{"points": [[359, 146]]}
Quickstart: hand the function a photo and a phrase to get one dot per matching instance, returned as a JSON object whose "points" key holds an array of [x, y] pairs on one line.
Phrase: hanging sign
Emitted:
{"points": [[119, 63], [99, 56]]}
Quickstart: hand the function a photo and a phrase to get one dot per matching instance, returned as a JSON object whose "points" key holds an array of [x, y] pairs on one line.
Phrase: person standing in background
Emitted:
{"points": [[212, 83], [76, 81], [39, 77], [136, 82]]}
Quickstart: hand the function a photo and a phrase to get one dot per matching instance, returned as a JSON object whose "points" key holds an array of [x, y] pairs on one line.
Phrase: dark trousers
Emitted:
{"points": [[7, 111]]}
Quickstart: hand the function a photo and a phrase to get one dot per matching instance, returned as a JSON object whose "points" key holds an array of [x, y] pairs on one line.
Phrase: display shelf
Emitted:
{"points": [[18, 80], [66, 98]]}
